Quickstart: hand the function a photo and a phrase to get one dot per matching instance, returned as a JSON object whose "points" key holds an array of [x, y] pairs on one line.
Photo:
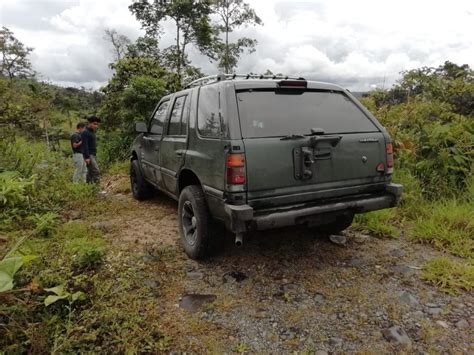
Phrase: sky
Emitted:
{"points": [[360, 45]]}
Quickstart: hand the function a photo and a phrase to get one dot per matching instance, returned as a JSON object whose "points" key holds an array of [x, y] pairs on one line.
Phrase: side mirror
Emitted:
{"points": [[141, 127]]}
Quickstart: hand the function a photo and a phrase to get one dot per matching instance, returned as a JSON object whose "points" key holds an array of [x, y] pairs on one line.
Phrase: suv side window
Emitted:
{"points": [[158, 119], [209, 122], [175, 126]]}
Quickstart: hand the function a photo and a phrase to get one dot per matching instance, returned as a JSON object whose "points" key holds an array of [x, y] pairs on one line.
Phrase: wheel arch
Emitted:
{"points": [[187, 177]]}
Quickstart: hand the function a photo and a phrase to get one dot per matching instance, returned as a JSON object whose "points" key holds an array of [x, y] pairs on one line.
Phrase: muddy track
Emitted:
{"points": [[292, 289]]}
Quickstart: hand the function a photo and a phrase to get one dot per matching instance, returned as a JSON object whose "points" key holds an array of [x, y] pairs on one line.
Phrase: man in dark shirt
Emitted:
{"points": [[89, 149], [80, 169]]}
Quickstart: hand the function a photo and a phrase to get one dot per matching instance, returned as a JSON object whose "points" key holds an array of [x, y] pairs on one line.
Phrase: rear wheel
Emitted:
{"points": [[141, 189], [342, 222], [195, 223]]}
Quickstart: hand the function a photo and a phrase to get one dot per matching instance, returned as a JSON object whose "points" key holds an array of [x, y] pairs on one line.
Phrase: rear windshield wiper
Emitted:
{"points": [[292, 136]]}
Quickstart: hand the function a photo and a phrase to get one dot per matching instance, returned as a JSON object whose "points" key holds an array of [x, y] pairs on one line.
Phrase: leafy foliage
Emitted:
{"points": [[60, 293], [14, 60], [192, 24], [233, 14], [131, 94], [433, 129], [8, 268]]}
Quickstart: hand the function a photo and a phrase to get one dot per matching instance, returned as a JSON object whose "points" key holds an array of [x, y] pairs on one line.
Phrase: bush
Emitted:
{"points": [[36, 181], [82, 244]]}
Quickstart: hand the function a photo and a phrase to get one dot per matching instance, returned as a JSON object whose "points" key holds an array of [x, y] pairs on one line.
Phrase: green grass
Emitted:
{"points": [[382, 223], [119, 168], [449, 275], [449, 226]]}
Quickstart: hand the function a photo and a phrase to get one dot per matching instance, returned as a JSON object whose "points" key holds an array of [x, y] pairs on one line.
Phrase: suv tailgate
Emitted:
{"points": [[298, 143]]}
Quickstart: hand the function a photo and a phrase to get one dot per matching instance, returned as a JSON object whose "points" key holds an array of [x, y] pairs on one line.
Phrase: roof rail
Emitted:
{"points": [[220, 77]]}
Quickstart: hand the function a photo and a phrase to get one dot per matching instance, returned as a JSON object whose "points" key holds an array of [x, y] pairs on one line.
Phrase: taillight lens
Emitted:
{"points": [[389, 158], [235, 169]]}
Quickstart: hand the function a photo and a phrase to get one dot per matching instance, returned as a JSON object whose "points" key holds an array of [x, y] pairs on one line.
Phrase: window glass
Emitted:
{"points": [[209, 123], [175, 119], [280, 113], [158, 120]]}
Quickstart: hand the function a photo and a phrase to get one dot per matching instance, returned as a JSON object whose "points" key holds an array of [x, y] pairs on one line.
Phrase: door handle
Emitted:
{"points": [[179, 154], [332, 140]]}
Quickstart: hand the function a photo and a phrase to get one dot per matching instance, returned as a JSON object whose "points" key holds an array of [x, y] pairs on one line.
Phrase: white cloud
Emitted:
{"points": [[358, 44]]}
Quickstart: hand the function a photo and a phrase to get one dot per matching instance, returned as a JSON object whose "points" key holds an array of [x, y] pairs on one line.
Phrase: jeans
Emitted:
{"points": [[80, 170], [93, 172]]}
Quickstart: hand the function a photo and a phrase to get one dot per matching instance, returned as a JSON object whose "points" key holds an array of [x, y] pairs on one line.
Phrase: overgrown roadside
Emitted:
{"points": [[285, 290]]}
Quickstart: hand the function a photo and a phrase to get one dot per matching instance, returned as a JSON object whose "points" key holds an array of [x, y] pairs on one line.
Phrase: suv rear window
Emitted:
{"points": [[271, 113]]}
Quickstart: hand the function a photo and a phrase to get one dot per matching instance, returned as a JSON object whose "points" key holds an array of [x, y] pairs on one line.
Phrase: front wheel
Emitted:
{"points": [[141, 189], [195, 223]]}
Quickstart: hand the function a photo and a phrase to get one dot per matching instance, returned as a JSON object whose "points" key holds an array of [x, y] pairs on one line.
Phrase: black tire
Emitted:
{"points": [[342, 222], [195, 223], [141, 189]]}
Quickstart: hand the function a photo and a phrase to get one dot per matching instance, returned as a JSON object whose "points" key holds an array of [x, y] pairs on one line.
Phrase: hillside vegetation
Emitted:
{"points": [[58, 289]]}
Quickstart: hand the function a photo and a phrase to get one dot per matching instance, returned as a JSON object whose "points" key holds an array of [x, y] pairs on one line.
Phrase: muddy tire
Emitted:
{"points": [[141, 189], [336, 227], [195, 224]]}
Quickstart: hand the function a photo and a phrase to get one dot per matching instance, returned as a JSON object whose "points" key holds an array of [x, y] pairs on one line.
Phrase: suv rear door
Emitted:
{"points": [[300, 142], [174, 142]]}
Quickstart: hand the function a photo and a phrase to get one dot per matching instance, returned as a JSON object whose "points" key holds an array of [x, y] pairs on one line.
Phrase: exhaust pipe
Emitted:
{"points": [[239, 240]]}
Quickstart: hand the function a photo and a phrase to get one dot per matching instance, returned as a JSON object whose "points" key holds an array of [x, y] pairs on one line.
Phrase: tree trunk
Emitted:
{"points": [[227, 39], [178, 51]]}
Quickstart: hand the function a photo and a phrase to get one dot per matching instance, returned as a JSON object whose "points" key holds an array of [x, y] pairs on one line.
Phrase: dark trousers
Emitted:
{"points": [[93, 172]]}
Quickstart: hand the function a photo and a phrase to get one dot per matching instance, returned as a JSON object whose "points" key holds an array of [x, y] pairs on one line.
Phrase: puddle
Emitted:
{"points": [[193, 302]]}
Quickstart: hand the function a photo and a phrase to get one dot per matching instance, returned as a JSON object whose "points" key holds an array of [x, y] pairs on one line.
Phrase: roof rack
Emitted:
{"points": [[220, 77]]}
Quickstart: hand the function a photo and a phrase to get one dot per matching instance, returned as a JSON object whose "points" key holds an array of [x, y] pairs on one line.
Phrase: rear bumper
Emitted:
{"points": [[244, 218]]}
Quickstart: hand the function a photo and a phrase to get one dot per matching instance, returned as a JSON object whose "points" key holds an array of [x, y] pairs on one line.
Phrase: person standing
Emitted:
{"points": [[80, 169], [89, 150]]}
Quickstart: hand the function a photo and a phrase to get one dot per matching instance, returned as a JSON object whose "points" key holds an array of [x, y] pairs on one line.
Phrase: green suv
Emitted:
{"points": [[257, 152]]}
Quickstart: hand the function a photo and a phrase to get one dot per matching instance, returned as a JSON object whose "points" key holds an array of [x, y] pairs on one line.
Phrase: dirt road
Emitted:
{"points": [[289, 290]]}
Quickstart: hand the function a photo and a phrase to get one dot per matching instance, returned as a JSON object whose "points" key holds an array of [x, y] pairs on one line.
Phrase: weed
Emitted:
{"points": [[451, 276], [242, 348], [448, 226], [379, 223], [44, 224], [119, 168], [82, 245]]}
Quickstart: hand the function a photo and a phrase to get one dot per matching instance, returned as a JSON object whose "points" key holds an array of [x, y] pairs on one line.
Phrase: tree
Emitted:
{"points": [[133, 91], [233, 14], [14, 60], [449, 83], [192, 26], [119, 42]]}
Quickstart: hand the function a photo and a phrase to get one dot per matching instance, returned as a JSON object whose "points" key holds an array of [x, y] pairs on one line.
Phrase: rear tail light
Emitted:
{"points": [[235, 169], [389, 158]]}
